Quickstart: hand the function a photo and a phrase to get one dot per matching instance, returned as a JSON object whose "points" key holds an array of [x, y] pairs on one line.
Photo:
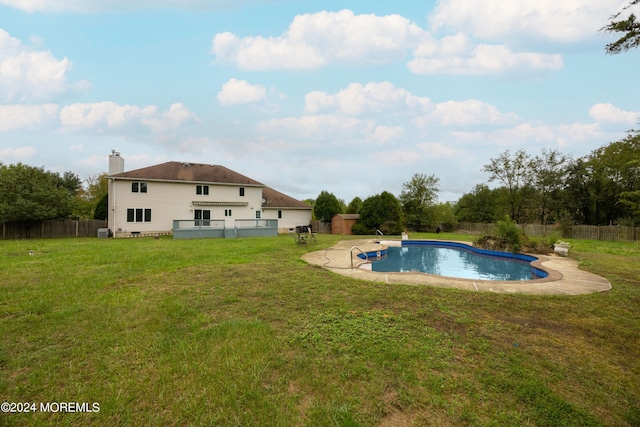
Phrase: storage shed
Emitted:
{"points": [[342, 223]]}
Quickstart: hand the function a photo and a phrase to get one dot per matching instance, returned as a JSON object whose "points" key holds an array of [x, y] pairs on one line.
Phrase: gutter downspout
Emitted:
{"points": [[113, 205]]}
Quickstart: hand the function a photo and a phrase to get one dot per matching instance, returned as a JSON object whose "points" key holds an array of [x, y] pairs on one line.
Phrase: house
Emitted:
{"points": [[196, 200], [342, 223]]}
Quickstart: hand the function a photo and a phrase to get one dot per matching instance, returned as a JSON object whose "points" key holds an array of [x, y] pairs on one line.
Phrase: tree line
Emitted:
{"points": [[601, 188], [29, 193]]}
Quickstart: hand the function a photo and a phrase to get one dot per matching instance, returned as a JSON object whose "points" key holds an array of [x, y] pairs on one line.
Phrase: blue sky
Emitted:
{"points": [[350, 97]]}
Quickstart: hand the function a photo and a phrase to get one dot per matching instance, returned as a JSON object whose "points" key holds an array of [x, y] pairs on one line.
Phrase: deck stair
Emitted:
{"points": [[230, 233]]}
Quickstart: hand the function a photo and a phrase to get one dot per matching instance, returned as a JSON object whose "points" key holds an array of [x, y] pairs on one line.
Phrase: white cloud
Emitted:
{"points": [[387, 134], [329, 128], [19, 154], [479, 60], [416, 154], [300, 133], [236, 92], [26, 116], [195, 144], [314, 40], [465, 113], [395, 157], [104, 116], [555, 21], [317, 40], [527, 135], [357, 99], [437, 150], [27, 74], [612, 114], [177, 116]]}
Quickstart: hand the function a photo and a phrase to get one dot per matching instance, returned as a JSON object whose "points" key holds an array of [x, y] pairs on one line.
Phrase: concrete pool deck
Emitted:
{"points": [[564, 276]]}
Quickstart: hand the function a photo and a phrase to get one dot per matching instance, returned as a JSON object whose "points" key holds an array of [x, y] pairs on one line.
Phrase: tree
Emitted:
{"points": [[516, 173], [312, 203], [480, 205], [97, 186], [631, 199], [601, 186], [29, 193], [550, 172], [629, 28], [417, 197], [90, 196], [101, 210], [444, 216], [578, 192], [383, 212], [354, 206], [327, 206], [71, 182]]}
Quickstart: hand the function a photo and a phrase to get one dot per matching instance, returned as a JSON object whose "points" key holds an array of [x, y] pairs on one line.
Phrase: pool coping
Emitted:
{"points": [[564, 277]]}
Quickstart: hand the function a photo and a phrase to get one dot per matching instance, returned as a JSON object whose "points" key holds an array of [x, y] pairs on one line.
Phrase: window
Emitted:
{"points": [[227, 212], [202, 217], [241, 191], [202, 190], [138, 187], [279, 214], [138, 215], [258, 214]]}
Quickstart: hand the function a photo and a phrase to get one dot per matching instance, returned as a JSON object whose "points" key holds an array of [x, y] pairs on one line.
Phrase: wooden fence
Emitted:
{"points": [[593, 232], [320, 227], [51, 229]]}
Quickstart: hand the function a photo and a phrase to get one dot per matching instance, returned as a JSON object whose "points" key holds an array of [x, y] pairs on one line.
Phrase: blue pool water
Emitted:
{"points": [[457, 260]]}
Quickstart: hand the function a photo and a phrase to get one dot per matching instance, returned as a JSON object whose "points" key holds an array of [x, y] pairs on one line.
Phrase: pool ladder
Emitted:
{"points": [[366, 257]]}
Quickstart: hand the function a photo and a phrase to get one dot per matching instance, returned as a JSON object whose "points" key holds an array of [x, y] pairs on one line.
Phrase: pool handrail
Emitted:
{"points": [[366, 257]]}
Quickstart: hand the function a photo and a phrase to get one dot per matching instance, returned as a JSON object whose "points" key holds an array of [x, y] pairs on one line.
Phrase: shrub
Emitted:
{"points": [[538, 245], [359, 228], [391, 227], [508, 233], [566, 222]]}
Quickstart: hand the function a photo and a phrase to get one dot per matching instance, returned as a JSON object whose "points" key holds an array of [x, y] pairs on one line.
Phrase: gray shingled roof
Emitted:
{"points": [[197, 172], [275, 199], [191, 172]]}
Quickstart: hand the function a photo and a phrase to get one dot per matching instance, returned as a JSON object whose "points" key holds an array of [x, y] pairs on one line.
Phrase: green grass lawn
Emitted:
{"points": [[242, 332]]}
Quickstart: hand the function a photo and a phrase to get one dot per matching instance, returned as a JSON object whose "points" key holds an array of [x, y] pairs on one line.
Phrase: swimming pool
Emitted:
{"points": [[455, 260]]}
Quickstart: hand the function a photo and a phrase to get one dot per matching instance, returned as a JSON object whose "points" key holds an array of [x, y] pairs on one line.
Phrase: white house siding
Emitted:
{"points": [[174, 200], [291, 218]]}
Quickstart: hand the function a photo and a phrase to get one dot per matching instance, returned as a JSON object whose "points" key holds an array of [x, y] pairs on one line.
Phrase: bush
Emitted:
{"points": [[508, 232], [537, 246], [566, 224], [359, 228], [391, 227]]}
